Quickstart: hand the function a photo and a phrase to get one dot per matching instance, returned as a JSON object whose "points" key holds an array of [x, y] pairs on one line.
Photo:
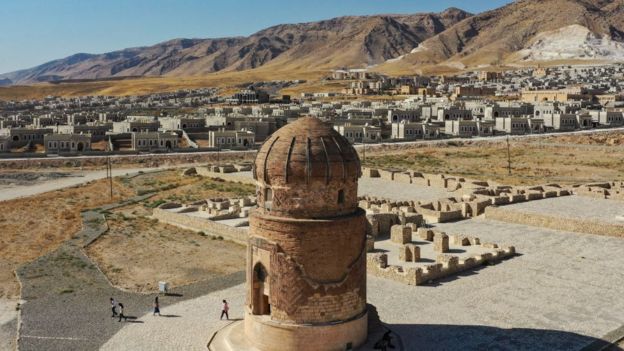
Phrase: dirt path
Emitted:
{"points": [[77, 178]]}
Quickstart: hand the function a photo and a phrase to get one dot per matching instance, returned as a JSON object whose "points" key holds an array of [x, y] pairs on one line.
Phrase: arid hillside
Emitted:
{"points": [[344, 41], [592, 29]]}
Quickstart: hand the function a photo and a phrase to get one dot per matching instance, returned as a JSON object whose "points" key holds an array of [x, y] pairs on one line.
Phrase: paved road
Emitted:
{"points": [[77, 178]]}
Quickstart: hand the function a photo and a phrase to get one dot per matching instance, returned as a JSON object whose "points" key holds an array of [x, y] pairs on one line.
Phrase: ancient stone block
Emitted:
{"points": [[400, 234], [448, 261], [382, 260], [425, 234], [460, 240], [441, 243], [415, 250], [489, 246], [405, 254], [370, 244]]}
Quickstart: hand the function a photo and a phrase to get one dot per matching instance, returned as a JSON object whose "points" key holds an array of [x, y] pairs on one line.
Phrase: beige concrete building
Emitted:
{"points": [[181, 123], [512, 125], [412, 131], [489, 76], [68, 143], [399, 115], [359, 133], [151, 141], [5, 144], [231, 139], [469, 129], [21, 136], [608, 118], [560, 121], [138, 126], [467, 91], [561, 95]]}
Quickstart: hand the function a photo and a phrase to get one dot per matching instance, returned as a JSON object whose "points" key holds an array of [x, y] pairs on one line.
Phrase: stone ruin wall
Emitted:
{"points": [[236, 235], [446, 264], [566, 224]]}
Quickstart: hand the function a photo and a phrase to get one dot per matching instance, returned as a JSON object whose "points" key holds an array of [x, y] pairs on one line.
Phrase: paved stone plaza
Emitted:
{"points": [[560, 293]]}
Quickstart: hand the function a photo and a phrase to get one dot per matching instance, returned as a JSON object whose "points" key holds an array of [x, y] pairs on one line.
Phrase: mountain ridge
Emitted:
{"points": [[340, 41]]}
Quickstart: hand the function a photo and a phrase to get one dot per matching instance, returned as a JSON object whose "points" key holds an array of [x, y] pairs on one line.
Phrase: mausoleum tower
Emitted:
{"points": [[306, 263]]}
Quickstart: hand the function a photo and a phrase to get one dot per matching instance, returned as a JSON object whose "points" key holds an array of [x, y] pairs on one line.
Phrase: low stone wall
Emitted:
{"points": [[552, 222], [150, 160], [204, 172], [447, 265], [201, 224]]}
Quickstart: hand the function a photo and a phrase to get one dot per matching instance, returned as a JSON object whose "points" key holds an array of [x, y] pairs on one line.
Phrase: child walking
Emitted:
{"points": [[121, 312], [224, 311], [156, 306]]}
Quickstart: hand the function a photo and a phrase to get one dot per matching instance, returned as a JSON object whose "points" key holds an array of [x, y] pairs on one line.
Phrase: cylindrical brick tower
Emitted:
{"points": [[306, 263]]}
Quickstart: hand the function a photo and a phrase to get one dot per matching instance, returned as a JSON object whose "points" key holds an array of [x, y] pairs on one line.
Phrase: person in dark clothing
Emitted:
{"points": [[224, 311], [385, 343], [156, 306], [113, 307], [121, 312]]}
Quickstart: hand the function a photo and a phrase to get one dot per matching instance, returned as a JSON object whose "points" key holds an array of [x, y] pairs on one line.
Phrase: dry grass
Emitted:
{"points": [[141, 86], [564, 159], [36, 225], [137, 251]]}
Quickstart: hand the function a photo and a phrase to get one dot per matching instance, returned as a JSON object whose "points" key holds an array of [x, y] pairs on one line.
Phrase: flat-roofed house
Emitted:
{"points": [[71, 143], [5, 143], [359, 133], [228, 139], [560, 121], [512, 125], [22, 136], [608, 118], [150, 141]]}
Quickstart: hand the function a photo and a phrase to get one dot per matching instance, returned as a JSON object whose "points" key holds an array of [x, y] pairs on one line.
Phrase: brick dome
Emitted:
{"points": [[307, 170]]}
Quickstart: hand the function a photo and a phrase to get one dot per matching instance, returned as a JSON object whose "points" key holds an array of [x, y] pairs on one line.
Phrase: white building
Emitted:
{"points": [[149, 141], [72, 143]]}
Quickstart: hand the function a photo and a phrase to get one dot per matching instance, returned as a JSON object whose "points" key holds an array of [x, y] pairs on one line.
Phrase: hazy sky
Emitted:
{"points": [[36, 31]]}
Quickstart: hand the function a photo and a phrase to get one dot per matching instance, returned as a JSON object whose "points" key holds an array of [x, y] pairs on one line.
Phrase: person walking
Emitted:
{"points": [[156, 306], [224, 311], [113, 307], [121, 312]]}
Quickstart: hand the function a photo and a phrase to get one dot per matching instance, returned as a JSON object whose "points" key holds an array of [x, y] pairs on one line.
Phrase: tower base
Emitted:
{"points": [[269, 336]]}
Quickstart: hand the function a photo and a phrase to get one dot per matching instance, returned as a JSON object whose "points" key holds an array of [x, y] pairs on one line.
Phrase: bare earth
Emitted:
{"points": [[138, 253]]}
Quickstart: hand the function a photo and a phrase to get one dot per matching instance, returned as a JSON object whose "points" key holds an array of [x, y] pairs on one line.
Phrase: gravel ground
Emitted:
{"points": [[559, 294], [67, 297], [67, 304], [195, 322], [400, 191], [8, 324], [577, 207]]}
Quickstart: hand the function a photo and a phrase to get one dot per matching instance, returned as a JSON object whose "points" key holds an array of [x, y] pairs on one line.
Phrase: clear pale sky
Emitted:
{"points": [[36, 31]]}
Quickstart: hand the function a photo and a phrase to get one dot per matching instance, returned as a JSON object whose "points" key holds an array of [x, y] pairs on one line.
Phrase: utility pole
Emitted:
{"points": [[109, 168], [364, 152], [508, 156]]}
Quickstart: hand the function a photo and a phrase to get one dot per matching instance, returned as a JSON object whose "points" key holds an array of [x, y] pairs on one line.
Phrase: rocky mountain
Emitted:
{"points": [[345, 41], [526, 30]]}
